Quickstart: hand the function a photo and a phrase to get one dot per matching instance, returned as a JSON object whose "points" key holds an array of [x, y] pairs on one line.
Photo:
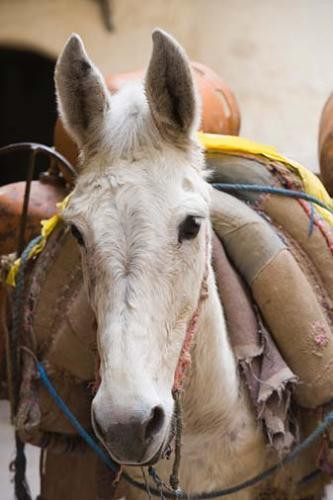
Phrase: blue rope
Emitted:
{"points": [[258, 188], [311, 220], [320, 429], [74, 421]]}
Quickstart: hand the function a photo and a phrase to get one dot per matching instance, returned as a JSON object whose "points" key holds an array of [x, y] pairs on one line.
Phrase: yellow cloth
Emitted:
{"points": [[213, 143], [47, 227]]}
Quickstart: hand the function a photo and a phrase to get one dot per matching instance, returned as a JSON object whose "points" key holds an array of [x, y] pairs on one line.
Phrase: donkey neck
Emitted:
{"points": [[212, 389], [221, 436]]}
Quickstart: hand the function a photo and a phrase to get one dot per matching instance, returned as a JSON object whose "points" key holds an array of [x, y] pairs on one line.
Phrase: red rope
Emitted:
{"points": [[185, 354]]}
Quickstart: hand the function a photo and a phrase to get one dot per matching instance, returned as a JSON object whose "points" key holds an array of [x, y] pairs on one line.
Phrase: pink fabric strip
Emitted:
{"points": [[185, 354]]}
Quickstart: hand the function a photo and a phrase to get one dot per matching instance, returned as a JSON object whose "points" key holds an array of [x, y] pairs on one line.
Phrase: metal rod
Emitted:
{"points": [[24, 213], [39, 148], [34, 149]]}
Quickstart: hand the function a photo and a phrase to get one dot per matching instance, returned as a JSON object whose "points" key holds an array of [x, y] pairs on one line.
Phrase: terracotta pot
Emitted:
{"points": [[220, 111], [43, 200], [326, 145]]}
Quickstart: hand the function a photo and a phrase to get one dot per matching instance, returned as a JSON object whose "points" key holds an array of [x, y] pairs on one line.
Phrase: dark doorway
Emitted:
{"points": [[27, 107]]}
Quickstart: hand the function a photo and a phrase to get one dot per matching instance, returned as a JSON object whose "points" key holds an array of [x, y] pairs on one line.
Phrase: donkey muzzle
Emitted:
{"points": [[134, 441]]}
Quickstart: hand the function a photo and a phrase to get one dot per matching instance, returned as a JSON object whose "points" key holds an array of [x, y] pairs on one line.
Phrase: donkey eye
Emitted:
{"points": [[189, 228], [77, 235]]}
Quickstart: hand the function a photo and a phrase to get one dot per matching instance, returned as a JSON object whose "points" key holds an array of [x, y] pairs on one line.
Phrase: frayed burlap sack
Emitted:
{"points": [[290, 305], [284, 253]]}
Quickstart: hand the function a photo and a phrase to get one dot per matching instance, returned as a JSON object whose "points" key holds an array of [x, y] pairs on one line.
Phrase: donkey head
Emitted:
{"points": [[140, 213]]}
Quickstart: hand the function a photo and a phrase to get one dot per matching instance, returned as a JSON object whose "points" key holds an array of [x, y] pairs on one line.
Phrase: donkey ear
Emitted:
{"points": [[83, 99], [170, 88]]}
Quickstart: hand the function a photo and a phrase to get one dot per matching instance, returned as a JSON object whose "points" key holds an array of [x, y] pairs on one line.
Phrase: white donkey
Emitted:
{"points": [[140, 212]]}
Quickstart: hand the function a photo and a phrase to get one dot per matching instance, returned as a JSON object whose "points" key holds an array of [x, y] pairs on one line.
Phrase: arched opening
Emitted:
{"points": [[28, 107]]}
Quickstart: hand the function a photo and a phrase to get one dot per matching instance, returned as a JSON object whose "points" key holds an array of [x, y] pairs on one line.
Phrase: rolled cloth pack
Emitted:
{"points": [[283, 248], [60, 327], [289, 304]]}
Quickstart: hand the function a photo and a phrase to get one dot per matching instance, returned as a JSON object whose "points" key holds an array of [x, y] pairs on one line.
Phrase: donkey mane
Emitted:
{"points": [[130, 133]]}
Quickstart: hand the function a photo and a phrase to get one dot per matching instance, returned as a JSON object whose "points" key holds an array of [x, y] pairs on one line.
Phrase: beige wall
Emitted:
{"points": [[46, 24], [276, 55]]}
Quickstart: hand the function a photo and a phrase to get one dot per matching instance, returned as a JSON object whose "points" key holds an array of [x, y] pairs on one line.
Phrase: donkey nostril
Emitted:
{"points": [[97, 428], [155, 422]]}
